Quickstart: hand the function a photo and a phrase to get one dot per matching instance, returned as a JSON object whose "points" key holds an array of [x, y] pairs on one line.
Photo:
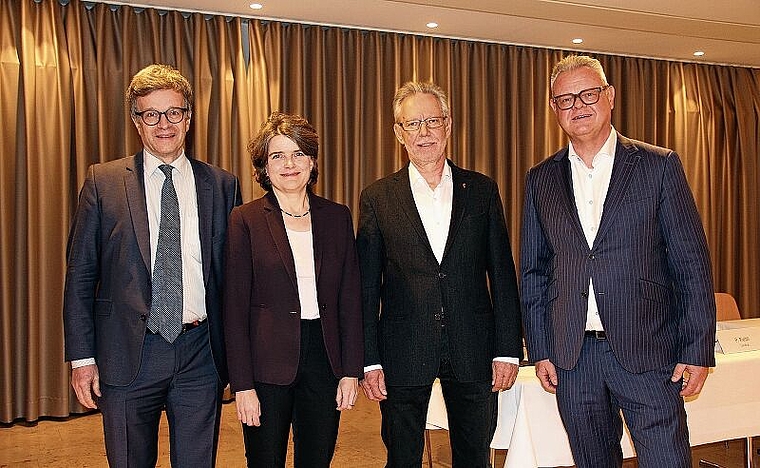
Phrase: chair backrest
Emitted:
{"points": [[726, 308]]}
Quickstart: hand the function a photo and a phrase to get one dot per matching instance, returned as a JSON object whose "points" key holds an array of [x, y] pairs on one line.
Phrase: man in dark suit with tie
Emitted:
{"points": [[143, 286], [439, 290], [616, 281]]}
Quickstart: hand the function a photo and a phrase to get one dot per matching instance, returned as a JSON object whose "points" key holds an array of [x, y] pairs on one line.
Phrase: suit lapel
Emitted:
{"points": [[134, 185], [565, 195], [403, 193], [205, 195], [318, 230], [626, 157], [279, 236], [461, 184]]}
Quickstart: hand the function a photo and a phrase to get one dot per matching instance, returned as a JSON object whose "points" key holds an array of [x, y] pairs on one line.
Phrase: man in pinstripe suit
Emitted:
{"points": [[616, 282]]}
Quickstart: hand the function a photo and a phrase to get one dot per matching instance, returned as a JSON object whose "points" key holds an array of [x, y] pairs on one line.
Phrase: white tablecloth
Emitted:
{"points": [[530, 429]]}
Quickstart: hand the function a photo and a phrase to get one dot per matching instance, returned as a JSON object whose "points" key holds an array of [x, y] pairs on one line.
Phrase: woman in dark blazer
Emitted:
{"points": [[292, 304]]}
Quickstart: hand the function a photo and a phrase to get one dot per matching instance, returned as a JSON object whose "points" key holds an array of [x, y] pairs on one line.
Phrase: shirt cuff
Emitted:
{"points": [[510, 360], [372, 367], [82, 362]]}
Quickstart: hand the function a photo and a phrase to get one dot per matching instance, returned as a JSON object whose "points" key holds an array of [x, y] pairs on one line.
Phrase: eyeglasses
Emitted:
{"points": [[298, 157], [151, 117], [587, 96], [415, 125]]}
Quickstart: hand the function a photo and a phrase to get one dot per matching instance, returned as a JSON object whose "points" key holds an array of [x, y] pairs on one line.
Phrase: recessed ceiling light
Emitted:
{"points": [[432, 25], [577, 40], [256, 6], [699, 53]]}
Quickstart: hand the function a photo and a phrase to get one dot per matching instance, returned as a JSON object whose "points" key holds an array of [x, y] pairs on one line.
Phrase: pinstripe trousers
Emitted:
{"points": [[591, 396]]}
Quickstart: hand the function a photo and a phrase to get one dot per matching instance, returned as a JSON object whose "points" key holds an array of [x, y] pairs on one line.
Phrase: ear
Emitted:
{"points": [[611, 96], [399, 136]]}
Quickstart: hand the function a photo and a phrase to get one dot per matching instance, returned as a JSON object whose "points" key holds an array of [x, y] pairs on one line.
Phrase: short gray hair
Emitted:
{"points": [[411, 88], [574, 62]]}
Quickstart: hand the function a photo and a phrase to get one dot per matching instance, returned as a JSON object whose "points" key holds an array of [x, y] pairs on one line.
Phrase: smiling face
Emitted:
{"points": [[584, 124], [288, 167], [424, 146], [164, 140]]}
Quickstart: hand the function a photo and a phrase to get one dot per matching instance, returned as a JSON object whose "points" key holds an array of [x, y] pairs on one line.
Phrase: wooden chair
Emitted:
{"points": [[726, 308]]}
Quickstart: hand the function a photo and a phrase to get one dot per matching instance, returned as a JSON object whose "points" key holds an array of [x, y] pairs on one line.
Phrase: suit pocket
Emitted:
{"points": [[651, 291], [103, 307]]}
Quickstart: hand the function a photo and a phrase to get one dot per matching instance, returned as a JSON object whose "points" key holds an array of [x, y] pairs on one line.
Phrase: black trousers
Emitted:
{"points": [[472, 411], [308, 404], [179, 377]]}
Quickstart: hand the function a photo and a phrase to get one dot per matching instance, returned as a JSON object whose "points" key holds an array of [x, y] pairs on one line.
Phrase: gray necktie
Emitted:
{"points": [[166, 302]]}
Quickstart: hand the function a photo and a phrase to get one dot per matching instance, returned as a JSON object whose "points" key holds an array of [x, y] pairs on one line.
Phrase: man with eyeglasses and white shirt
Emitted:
{"points": [[143, 293], [439, 290], [616, 281]]}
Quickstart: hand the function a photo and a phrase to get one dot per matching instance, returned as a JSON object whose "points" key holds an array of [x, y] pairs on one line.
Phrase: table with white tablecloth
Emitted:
{"points": [[529, 425]]}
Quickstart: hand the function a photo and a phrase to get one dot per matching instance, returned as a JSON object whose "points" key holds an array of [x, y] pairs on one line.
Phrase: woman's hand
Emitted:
{"points": [[248, 407], [348, 389]]}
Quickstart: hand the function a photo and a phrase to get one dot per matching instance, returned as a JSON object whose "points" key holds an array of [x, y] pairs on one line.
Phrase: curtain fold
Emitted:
{"points": [[64, 69]]}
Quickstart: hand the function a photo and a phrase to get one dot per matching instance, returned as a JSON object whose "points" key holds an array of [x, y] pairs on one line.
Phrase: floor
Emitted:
{"points": [[78, 442]]}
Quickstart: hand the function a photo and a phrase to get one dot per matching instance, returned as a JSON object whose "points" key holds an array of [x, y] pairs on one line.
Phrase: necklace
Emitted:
{"points": [[294, 215]]}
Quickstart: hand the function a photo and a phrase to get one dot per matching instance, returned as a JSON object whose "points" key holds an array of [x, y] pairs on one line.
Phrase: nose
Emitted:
{"points": [[423, 125]]}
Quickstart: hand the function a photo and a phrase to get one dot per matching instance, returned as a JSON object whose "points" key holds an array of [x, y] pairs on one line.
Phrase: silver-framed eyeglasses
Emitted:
{"points": [[430, 123], [151, 117], [587, 96]]}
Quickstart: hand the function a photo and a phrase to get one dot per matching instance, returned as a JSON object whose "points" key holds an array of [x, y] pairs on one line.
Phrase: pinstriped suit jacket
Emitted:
{"points": [[649, 263], [404, 287]]}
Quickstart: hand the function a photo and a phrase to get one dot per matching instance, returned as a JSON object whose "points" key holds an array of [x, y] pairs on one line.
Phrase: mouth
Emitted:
{"points": [[581, 116], [289, 174]]}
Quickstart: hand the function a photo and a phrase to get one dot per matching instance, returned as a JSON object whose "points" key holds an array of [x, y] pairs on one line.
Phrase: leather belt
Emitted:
{"points": [[186, 327], [598, 334]]}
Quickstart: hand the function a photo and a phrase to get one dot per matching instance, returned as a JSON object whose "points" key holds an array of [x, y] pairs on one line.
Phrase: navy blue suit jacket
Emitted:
{"points": [[649, 263], [108, 278], [406, 293]]}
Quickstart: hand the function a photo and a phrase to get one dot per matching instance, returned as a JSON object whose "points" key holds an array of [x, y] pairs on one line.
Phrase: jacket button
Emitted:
{"points": [[592, 257], [584, 294], [441, 275], [143, 317]]}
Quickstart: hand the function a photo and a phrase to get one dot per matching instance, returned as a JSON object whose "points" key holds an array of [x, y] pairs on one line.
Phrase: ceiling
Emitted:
{"points": [[728, 32]]}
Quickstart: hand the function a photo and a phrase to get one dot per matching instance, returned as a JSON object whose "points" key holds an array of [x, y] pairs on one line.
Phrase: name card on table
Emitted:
{"points": [[737, 340]]}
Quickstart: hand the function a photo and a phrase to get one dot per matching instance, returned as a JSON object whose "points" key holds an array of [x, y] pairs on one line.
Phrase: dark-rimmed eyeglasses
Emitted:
{"points": [[415, 125], [151, 117], [587, 96]]}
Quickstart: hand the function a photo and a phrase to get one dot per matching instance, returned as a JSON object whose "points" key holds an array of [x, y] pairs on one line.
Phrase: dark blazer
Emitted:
{"points": [[262, 312], [649, 263], [108, 279], [406, 294]]}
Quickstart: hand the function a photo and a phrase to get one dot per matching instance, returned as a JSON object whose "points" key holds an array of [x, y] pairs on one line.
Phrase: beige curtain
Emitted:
{"points": [[63, 71]]}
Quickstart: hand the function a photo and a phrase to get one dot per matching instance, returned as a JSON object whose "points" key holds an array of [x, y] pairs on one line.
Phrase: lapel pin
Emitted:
{"points": [[464, 185]]}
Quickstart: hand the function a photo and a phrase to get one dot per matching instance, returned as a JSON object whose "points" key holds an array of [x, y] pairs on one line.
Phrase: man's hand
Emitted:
{"points": [[547, 374], [86, 382], [373, 385], [504, 375], [693, 378], [348, 390], [248, 407]]}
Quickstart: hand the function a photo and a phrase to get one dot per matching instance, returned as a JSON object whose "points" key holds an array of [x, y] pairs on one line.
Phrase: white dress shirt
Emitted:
{"points": [[193, 286], [590, 187]]}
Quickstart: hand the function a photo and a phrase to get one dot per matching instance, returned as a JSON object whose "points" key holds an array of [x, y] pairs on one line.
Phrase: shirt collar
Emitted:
{"points": [[416, 178], [606, 151], [182, 164]]}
